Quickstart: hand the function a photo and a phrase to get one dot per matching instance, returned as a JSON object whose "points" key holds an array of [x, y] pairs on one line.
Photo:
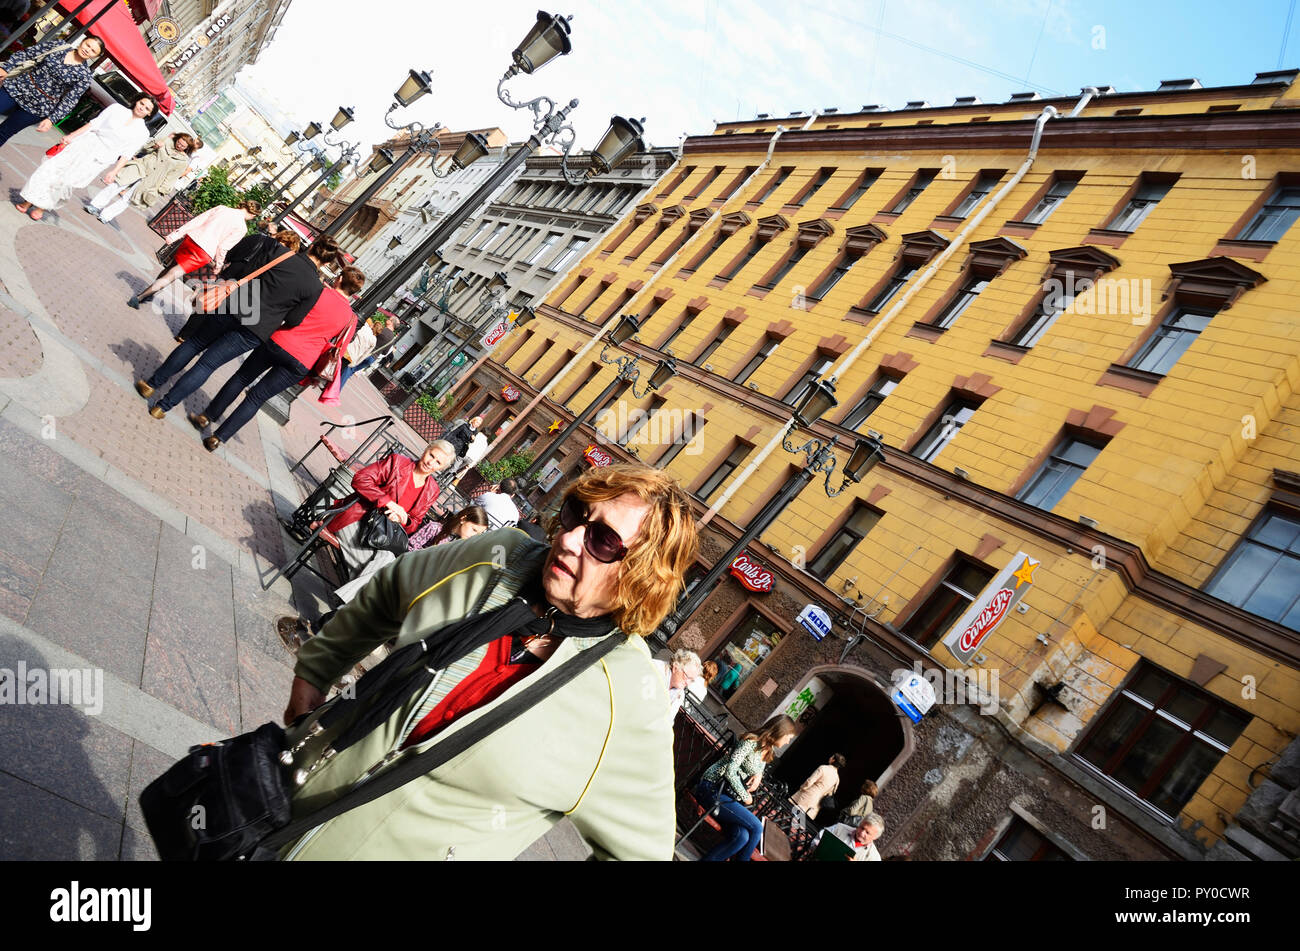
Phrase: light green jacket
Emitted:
{"points": [[598, 750]]}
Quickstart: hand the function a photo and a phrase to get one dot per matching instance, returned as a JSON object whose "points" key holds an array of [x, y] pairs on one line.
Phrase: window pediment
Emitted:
{"points": [[1214, 283], [672, 213], [920, 246], [698, 219], [1086, 259], [729, 224], [771, 226], [994, 254], [643, 212], [858, 241], [811, 232]]}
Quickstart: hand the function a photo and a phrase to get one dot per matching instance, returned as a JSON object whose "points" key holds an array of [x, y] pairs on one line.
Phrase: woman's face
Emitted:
{"points": [[784, 741], [89, 49], [142, 109], [574, 581], [469, 529], [184, 145]]}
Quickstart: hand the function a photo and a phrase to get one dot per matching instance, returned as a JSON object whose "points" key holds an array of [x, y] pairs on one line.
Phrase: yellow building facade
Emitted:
{"points": [[1087, 358]]}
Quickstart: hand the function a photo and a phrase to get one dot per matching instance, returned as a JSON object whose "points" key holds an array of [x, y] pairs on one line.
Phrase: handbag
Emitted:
{"points": [[27, 66], [231, 800], [213, 294], [380, 533]]}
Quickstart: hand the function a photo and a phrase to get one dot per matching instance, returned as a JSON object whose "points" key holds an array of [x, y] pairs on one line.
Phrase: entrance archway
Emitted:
{"points": [[854, 717]]}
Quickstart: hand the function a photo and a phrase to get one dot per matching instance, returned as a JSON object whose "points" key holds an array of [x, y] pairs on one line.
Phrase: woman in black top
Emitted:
{"points": [[44, 94], [282, 296]]}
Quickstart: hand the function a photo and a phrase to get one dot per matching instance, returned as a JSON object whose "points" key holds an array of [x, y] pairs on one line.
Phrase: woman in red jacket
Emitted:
{"points": [[286, 358], [401, 487]]}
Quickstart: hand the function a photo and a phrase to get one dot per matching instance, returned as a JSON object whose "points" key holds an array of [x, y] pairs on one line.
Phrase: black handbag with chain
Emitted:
{"points": [[378, 532]]}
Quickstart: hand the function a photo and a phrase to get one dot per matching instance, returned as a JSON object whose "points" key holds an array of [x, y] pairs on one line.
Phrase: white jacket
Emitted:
{"points": [[216, 231]]}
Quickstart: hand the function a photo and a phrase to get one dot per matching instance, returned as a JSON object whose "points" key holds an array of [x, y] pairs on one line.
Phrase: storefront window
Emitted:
{"points": [[747, 647]]}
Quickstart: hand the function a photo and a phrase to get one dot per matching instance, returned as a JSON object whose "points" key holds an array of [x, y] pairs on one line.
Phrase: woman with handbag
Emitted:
{"points": [[40, 85], [111, 137], [282, 287], [145, 180], [728, 786], [396, 489], [205, 239], [285, 358], [823, 782]]}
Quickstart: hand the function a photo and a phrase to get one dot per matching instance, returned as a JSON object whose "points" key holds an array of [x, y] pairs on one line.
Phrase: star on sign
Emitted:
{"points": [[554, 427], [1026, 573]]}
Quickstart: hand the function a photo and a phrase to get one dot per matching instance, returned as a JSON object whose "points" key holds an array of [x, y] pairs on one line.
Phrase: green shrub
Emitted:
{"points": [[431, 405], [511, 465]]}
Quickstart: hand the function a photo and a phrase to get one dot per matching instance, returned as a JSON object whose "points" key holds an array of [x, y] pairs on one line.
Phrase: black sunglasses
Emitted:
{"points": [[602, 542]]}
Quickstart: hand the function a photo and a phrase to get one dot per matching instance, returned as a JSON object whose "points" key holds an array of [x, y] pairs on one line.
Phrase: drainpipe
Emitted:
{"points": [[811, 119], [581, 354], [1088, 92], [1048, 112]]}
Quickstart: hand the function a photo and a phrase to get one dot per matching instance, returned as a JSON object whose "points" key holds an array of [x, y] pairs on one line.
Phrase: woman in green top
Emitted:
{"points": [[730, 782]]}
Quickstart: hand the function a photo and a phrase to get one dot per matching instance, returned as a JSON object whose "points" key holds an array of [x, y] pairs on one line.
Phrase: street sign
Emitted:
{"points": [[495, 333], [815, 621], [913, 694], [987, 611]]}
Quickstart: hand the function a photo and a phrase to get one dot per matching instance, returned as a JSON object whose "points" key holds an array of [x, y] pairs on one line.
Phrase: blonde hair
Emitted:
{"points": [[650, 576]]}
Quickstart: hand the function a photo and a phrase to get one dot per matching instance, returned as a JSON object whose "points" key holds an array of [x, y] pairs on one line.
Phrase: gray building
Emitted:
{"points": [[537, 229]]}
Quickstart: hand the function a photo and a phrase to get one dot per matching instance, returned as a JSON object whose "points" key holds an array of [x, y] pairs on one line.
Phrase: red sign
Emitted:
{"points": [[496, 333], [986, 620], [509, 394], [597, 457], [753, 576]]}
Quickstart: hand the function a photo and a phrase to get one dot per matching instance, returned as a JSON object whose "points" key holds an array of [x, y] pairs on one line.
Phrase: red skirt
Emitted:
{"points": [[190, 256]]}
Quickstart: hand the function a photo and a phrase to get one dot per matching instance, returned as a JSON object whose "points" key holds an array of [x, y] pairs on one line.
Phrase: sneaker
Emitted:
{"points": [[133, 303], [92, 210]]}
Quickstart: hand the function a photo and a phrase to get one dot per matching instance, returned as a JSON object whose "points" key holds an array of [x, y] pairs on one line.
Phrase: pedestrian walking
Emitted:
{"points": [[462, 432], [677, 673], [111, 138], [40, 85], [729, 785], [823, 782], [472, 620], [143, 181], [372, 334], [861, 807], [283, 295], [281, 361], [205, 239]]}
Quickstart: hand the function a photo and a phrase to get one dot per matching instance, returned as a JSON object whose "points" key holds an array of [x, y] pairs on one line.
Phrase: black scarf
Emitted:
{"points": [[409, 670]]}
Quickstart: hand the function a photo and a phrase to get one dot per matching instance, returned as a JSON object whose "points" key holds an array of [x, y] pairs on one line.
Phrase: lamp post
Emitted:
{"points": [[628, 372], [547, 39], [351, 152], [420, 141], [819, 457], [290, 140]]}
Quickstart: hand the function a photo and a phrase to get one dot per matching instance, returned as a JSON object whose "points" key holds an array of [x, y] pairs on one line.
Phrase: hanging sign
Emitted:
{"points": [[913, 694], [751, 574], [550, 474], [497, 331], [509, 393], [815, 621], [598, 457], [183, 56], [988, 611], [167, 30]]}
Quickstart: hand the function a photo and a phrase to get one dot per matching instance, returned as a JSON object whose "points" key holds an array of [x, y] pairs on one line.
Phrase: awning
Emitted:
{"points": [[126, 46]]}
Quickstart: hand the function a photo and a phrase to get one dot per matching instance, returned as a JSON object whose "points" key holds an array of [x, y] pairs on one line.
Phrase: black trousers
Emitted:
{"points": [[281, 372]]}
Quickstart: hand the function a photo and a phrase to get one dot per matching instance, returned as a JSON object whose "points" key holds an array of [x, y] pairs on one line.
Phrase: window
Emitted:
{"points": [[542, 249], [754, 247], [638, 419], [923, 178], [1053, 304], [494, 235], [1262, 574], [955, 416], [682, 324], [737, 182], [983, 185], [845, 540], [786, 266], [706, 182], [864, 182], [766, 350], [965, 297], [1162, 737], [843, 265], [823, 176], [960, 586], [677, 180], [1275, 217], [868, 404], [892, 287], [720, 474], [723, 333], [571, 249], [1061, 470], [690, 427], [513, 244], [593, 197], [814, 373], [776, 182], [1047, 204], [747, 647], [1175, 334], [718, 240], [1023, 843], [1146, 197]]}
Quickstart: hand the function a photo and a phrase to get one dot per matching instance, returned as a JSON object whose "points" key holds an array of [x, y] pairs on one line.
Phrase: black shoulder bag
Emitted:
{"points": [[378, 532], [231, 800]]}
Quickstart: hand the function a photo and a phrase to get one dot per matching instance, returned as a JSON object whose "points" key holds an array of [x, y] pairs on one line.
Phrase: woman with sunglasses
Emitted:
{"points": [[475, 622]]}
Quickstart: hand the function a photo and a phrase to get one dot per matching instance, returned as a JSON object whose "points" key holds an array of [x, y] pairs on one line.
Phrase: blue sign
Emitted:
{"points": [[815, 621], [906, 706]]}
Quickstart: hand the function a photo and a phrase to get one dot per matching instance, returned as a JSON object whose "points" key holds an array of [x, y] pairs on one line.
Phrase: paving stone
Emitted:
{"points": [[190, 662], [19, 582], [36, 825], [38, 458], [147, 764], [76, 620]]}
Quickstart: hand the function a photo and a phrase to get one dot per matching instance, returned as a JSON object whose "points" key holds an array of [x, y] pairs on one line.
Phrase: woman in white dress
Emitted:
{"points": [[113, 136]]}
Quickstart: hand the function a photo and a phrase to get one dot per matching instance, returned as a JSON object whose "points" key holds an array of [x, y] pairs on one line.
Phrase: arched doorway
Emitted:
{"points": [[852, 716]]}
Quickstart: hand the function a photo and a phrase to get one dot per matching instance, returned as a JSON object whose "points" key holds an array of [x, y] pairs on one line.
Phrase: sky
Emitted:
{"points": [[684, 64]]}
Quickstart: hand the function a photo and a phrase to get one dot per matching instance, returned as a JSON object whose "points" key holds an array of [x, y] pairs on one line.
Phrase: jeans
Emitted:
{"points": [[282, 371], [16, 117], [742, 828], [348, 370], [220, 340]]}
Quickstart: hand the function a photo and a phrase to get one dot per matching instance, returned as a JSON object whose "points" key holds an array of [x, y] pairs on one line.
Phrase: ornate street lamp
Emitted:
{"points": [[380, 160], [341, 118], [394, 242], [312, 130], [548, 38], [413, 87]]}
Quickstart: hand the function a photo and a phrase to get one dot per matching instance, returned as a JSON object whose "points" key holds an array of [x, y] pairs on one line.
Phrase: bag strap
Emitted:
{"points": [[263, 269], [449, 748]]}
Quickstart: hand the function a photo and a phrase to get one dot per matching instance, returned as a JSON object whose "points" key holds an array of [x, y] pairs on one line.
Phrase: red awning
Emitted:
{"points": [[126, 46]]}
